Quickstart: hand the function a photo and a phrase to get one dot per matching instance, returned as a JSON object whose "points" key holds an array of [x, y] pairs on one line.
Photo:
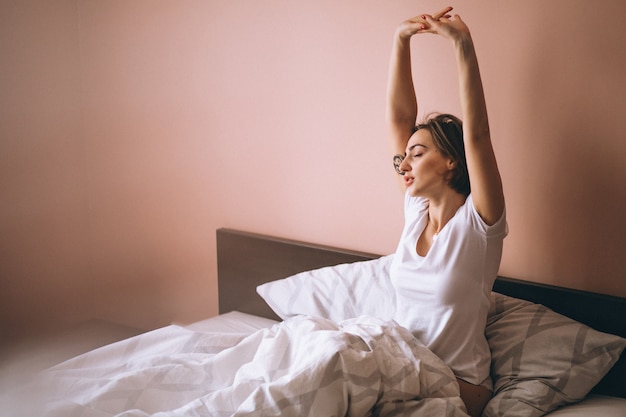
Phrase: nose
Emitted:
{"points": [[404, 167]]}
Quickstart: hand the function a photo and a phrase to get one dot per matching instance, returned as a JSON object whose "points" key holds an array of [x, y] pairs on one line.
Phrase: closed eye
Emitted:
{"points": [[419, 147]]}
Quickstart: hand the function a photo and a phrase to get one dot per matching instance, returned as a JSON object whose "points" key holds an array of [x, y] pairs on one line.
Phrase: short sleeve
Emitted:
{"points": [[498, 230]]}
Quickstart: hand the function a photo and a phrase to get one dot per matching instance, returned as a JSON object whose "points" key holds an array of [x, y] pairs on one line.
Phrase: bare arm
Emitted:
{"points": [[401, 109], [483, 170], [401, 99]]}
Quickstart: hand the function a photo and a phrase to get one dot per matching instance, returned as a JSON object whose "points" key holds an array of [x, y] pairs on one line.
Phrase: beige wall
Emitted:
{"points": [[130, 131]]}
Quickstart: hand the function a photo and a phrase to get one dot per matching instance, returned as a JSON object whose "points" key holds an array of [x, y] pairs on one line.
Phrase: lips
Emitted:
{"points": [[408, 180]]}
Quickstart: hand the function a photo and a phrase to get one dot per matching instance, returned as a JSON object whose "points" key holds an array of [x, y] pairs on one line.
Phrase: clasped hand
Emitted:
{"points": [[442, 23]]}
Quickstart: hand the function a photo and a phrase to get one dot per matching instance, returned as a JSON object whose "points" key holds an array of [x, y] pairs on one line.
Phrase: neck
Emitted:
{"points": [[441, 210]]}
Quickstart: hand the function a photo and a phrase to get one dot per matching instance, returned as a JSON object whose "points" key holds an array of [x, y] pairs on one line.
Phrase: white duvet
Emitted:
{"points": [[304, 366]]}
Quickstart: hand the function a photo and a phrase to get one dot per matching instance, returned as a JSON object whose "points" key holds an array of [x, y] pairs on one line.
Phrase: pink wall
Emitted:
{"points": [[132, 130]]}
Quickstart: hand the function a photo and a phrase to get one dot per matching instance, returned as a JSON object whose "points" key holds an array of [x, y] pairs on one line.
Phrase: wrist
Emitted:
{"points": [[401, 37], [464, 43]]}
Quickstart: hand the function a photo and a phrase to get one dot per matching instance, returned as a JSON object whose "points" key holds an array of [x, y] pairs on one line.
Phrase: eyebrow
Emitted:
{"points": [[415, 146]]}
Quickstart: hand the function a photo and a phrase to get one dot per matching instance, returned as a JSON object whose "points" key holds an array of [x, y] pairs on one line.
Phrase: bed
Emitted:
{"points": [[301, 332], [270, 258]]}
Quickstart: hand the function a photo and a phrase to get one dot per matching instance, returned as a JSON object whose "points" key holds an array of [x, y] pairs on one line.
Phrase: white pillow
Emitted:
{"points": [[336, 293]]}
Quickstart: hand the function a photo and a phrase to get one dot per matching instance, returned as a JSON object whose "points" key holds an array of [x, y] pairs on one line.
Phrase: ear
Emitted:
{"points": [[451, 164]]}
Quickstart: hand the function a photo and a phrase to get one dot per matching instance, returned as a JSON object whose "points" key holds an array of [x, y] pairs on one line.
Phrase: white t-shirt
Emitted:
{"points": [[443, 298]]}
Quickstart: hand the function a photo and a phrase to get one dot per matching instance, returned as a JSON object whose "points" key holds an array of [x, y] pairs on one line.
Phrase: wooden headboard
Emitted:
{"points": [[246, 260]]}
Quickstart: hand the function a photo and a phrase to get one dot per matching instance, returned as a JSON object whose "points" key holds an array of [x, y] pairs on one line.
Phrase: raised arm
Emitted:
{"points": [[401, 100], [483, 170], [401, 111]]}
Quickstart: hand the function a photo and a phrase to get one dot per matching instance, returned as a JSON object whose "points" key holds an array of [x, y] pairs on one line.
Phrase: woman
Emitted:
{"points": [[451, 245]]}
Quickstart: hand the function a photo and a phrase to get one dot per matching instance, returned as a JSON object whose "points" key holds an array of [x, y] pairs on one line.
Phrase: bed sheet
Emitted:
{"points": [[594, 405], [217, 367], [232, 322], [164, 372]]}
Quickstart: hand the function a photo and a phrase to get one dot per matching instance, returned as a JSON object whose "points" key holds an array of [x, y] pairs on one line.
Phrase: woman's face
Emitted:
{"points": [[426, 169]]}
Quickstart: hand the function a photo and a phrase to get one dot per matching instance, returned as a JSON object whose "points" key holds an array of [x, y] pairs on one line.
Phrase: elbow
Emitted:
{"points": [[400, 121]]}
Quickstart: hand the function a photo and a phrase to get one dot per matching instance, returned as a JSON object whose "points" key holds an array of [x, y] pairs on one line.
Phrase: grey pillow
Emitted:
{"points": [[541, 360]]}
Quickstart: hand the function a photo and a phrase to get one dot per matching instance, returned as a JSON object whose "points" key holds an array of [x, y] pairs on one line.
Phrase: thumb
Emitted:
{"points": [[430, 20]]}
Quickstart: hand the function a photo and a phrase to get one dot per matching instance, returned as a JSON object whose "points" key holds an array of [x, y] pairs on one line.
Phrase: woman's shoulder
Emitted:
{"points": [[473, 217]]}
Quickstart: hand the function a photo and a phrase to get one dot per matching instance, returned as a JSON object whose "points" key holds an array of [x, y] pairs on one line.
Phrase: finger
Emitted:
{"points": [[442, 12], [429, 19], [433, 24], [417, 23], [418, 18]]}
